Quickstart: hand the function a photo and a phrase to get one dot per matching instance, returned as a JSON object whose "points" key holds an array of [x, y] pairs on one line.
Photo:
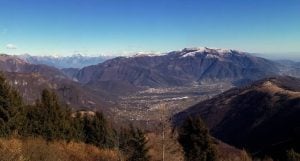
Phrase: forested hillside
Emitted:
{"points": [[48, 120]]}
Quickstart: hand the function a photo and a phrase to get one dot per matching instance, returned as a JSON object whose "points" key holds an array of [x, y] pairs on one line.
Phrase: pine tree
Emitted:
{"points": [[122, 140], [10, 104], [78, 128], [47, 119], [30, 121], [196, 142], [97, 132], [133, 144]]}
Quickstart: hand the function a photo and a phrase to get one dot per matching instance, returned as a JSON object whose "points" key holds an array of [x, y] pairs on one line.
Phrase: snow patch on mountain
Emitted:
{"points": [[144, 54], [208, 52]]}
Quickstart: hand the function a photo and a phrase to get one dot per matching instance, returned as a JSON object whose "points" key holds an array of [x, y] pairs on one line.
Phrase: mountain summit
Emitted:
{"points": [[211, 51]]}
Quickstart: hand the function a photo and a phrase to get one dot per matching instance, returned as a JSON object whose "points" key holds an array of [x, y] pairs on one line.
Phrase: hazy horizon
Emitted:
{"points": [[293, 56]]}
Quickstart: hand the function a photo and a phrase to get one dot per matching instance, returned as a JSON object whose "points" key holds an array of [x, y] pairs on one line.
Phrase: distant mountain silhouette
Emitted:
{"points": [[15, 64], [74, 61]]}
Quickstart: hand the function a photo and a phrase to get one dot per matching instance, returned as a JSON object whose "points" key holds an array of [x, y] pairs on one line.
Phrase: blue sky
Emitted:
{"points": [[65, 27]]}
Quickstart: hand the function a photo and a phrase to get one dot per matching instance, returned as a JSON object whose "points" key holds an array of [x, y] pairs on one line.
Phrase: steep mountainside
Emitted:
{"points": [[71, 93], [290, 68], [183, 67], [263, 117], [70, 72], [31, 79], [15, 64]]}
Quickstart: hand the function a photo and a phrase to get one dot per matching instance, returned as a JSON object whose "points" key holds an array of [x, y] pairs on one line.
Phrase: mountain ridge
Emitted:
{"points": [[257, 117], [73, 61], [180, 68], [31, 79]]}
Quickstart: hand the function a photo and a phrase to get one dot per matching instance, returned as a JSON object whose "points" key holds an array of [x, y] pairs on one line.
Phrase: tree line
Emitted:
{"points": [[48, 119]]}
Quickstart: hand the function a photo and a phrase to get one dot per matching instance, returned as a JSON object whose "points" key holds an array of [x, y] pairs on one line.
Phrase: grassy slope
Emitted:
{"points": [[36, 149], [39, 150]]}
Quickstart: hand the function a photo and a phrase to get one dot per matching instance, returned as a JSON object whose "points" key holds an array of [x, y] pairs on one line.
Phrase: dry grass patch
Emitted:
{"points": [[40, 150]]}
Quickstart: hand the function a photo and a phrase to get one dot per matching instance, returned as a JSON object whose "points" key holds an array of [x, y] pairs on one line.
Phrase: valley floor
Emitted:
{"points": [[153, 105]]}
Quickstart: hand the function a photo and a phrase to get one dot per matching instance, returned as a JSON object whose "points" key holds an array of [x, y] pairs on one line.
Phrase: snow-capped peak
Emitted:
{"points": [[144, 54], [198, 49], [78, 55], [210, 52]]}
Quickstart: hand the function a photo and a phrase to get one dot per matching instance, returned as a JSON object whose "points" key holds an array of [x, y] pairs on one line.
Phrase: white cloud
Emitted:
{"points": [[11, 46]]}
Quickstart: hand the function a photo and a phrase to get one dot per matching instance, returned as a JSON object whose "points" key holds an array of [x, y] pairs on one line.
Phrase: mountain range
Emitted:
{"points": [[74, 61], [31, 79], [179, 68], [126, 75]]}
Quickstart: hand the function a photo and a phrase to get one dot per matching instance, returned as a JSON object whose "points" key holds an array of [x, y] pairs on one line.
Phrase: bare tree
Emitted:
{"points": [[163, 122]]}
